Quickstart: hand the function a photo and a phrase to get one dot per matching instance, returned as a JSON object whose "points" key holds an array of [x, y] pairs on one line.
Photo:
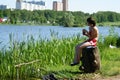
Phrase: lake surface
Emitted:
{"points": [[22, 32]]}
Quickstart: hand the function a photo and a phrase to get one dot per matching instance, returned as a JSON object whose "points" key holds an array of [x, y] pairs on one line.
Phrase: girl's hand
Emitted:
{"points": [[84, 31]]}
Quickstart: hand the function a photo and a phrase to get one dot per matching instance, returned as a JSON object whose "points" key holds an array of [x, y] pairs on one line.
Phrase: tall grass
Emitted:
{"points": [[53, 55]]}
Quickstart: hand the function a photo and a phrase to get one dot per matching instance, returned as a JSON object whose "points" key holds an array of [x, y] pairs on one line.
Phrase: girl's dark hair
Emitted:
{"points": [[91, 21]]}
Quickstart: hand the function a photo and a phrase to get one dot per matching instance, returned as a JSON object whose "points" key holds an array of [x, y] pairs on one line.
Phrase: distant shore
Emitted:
{"points": [[115, 24], [45, 24]]}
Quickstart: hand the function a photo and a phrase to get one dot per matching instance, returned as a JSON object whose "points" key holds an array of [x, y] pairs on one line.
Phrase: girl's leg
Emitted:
{"points": [[78, 51]]}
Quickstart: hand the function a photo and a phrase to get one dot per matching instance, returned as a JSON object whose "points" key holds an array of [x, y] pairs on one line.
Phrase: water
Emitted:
{"points": [[22, 32]]}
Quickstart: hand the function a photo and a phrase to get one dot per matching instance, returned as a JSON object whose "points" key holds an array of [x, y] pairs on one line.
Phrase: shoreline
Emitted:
{"points": [[103, 24]]}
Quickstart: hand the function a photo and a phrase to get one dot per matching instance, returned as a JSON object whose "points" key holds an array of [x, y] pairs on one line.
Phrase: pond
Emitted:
{"points": [[22, 32]]}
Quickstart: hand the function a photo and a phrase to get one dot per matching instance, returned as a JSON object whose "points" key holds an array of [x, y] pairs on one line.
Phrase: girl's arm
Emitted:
{"points": [[86, 33]]}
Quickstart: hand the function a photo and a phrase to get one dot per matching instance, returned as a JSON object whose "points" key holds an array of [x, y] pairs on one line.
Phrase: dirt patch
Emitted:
{"points": [[111, 78], [98, 77]]}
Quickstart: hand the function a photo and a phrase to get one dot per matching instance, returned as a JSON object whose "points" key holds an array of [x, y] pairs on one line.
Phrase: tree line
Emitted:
{"points": [[61, 18]]}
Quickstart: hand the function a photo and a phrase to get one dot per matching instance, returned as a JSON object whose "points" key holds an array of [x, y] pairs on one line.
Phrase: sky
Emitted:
{"points": [[86, 6]]}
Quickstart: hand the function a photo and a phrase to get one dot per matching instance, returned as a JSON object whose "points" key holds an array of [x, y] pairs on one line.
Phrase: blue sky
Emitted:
{"points": [[87, 6]]}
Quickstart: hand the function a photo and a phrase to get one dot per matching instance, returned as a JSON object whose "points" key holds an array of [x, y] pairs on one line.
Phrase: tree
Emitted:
{"points": [[1, 13], [79, 18], [67, 20], [6, 13]]}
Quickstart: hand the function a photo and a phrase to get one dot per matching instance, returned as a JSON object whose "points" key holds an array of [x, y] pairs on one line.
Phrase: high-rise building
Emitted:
{"points": [[65, 5], [19, 0], [60, 6], [31, 5], [57, 6], [3, 7]]}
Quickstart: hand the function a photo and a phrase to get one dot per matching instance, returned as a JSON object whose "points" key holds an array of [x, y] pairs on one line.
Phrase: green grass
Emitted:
{"points": [[109, 24], [54, 56], [110, 62]]}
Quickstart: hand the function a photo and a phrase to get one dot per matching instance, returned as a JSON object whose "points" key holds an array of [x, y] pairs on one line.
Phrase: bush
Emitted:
{"points": [[118, 42], [110, 40]]}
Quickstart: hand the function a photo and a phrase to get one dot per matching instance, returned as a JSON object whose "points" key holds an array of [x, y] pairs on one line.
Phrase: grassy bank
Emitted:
{"points": [[117, 23], [35, 58], [33, 24], [109, 24]]}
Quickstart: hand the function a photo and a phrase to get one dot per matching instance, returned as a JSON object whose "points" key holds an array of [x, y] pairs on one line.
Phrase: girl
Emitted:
{"points": [[92, 35]]}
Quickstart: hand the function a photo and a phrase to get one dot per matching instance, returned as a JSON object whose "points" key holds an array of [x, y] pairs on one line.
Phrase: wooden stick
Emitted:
{"points": [[21, 64]]}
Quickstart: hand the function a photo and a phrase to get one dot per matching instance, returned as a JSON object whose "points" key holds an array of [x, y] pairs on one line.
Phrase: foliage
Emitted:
{"points": [[68, 18], [110, 61], [112, 38], [106, 16], [51, 54]]}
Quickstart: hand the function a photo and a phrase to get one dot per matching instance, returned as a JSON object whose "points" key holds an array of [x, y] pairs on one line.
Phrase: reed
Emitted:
{"points": [[42, 56]]}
